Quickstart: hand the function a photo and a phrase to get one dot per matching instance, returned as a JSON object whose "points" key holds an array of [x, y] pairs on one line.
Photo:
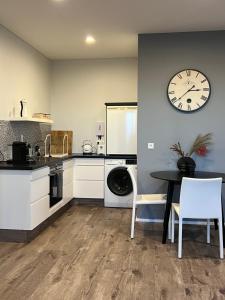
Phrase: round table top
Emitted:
{"points": [[177, 176]]}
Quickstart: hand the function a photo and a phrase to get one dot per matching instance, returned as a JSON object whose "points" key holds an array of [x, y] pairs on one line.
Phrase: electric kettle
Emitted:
{"points": [[87, 147]]}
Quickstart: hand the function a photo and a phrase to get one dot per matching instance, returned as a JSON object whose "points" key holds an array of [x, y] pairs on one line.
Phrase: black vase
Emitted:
{"points": [[186, 165]]}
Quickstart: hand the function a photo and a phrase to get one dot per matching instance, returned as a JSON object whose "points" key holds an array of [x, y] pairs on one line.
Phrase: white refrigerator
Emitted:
{"points": [[121, 129]]}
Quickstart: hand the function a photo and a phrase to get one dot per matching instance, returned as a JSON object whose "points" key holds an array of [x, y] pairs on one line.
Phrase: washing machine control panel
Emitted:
{"points": [[115, 162]]}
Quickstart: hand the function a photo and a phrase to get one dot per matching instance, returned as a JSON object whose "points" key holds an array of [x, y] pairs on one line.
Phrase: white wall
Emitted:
{"points": [[80, 89], [24, 73]]}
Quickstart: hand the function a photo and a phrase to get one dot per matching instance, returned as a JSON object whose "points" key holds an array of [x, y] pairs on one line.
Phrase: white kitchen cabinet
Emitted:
{"points": [[24, 199], [89, 178], [89, 173], [39, 211], [68, 180]]}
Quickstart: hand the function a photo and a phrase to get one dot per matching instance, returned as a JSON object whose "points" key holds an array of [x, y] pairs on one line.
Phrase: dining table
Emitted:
{"points": [[175, 178]]}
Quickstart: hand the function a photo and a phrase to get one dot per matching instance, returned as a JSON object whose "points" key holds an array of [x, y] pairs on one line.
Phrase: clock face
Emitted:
{"points": [[188, 90]]}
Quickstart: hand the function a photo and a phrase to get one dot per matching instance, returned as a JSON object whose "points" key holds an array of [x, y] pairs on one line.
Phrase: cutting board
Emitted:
{"points": [[57, 141]]}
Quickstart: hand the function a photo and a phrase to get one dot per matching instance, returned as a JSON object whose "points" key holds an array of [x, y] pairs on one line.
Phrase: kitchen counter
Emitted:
{"points": [[94, 155], [49, 161], [42, 162]]}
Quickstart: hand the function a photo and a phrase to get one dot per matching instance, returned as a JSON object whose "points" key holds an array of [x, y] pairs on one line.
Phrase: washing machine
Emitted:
{"points": [[118, 184]]}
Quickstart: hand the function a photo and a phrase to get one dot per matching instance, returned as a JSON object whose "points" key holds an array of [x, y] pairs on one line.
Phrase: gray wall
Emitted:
{"points": [[160, 57]]}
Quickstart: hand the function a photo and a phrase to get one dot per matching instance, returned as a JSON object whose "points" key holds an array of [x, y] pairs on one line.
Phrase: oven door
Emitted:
{"points": [[56, 185]]}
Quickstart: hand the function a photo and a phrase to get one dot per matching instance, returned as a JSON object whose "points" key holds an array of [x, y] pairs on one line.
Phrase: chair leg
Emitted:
{"points": [[208, 231], [221, 237], [133, 222], [180, 238], [172, 225]]}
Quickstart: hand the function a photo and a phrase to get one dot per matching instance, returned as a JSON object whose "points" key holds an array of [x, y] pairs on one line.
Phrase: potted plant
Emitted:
{"points": [[185, 163]]}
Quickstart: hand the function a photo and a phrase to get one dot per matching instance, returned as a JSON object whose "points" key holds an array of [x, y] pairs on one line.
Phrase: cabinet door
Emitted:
{"points": [[67, 193], [89, 162], [39, 188], [89, 173], [67, 181], [89, 189], [39, 211], [68, 176]]}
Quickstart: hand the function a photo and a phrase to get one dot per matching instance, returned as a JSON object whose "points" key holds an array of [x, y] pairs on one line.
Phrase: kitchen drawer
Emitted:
{"points": [[39, 188], [39, 173], [88, 189], [67, 193], [39, 211], [68, 164], [89, 173], [89, 162], [68, 176]]}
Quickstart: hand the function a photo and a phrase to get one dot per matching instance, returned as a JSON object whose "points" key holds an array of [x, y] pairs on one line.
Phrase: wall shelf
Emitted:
{"points": [[37, 120]]}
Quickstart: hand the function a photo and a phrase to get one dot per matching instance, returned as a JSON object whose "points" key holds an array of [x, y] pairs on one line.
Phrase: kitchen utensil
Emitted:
{"points": [[23, 109]]}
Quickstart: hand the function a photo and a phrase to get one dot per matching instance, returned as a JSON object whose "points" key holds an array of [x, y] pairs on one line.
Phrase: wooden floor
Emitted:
{"points": [[87, 254]]}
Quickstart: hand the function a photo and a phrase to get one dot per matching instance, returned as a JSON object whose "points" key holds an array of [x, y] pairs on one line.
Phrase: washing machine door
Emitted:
{"points": [[119, 182]]}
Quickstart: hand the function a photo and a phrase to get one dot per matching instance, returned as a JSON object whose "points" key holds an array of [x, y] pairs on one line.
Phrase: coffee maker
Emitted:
{"points": [[100, 131], [20, 152]]}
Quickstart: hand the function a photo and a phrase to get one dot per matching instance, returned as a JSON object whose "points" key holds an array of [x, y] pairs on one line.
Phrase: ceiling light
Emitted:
{"points": [[90, 39]]}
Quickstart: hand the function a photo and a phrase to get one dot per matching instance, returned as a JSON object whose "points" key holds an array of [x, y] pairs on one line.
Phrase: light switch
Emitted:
{"points": [[151, 146]]}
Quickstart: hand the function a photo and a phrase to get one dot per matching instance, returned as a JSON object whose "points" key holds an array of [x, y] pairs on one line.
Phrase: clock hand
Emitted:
{"points": [[186, 92], [197, 90]]}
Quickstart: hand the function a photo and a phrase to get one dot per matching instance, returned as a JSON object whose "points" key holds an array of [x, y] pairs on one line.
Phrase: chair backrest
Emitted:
{"points": [[132, 170], [200, 198]]}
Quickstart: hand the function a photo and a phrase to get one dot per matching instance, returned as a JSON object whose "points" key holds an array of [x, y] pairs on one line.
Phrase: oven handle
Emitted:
{"points": [[57, 172]]}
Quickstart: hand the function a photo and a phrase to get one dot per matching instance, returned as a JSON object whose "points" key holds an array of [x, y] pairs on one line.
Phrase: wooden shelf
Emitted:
{"points": [[37, 120]]}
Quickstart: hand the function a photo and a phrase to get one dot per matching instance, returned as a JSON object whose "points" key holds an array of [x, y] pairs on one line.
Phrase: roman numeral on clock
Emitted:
{"points": [[189, 107], [204, 80], [206, 89], [204, 98], [171, 92], [180, 105], [180, 76], [174, 100], [188, 72]]}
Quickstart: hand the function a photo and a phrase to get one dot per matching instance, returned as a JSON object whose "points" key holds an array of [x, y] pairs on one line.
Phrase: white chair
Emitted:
{"points": [[147, 199], [199, 199]]}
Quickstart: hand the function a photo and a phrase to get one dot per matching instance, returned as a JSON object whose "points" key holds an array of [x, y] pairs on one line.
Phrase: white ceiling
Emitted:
{"points": [[58, 28]]}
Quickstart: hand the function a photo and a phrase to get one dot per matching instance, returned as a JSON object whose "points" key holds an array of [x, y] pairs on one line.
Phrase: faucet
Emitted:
{"points": [[67, 144], [48, 136]]}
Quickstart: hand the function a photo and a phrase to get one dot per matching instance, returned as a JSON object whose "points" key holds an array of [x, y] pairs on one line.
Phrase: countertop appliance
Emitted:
{"points": [[56, 184], [87, 147], [100, 147], [20, 152], [118, 184], [121, 128]]}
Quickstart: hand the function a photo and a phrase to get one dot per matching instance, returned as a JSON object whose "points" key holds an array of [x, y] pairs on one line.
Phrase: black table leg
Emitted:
{"points": [[167, 210], [216, 224]]}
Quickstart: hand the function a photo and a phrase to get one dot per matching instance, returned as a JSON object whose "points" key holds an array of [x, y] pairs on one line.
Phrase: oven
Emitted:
{"points": [[56, 184]]}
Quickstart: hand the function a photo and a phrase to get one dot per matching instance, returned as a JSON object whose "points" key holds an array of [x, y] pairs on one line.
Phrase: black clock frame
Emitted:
{"points": [[197, 109]]}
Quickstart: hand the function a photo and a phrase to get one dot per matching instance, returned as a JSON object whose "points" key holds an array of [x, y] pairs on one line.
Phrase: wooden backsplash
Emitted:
{"points": [[57, 141]]}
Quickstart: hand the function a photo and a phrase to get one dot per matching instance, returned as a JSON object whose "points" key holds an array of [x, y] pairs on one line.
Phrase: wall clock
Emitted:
{"points": [[188, 90]]}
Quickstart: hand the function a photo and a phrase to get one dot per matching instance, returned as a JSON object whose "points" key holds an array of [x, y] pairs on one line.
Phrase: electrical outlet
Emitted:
{"points": [[151, 146]]}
